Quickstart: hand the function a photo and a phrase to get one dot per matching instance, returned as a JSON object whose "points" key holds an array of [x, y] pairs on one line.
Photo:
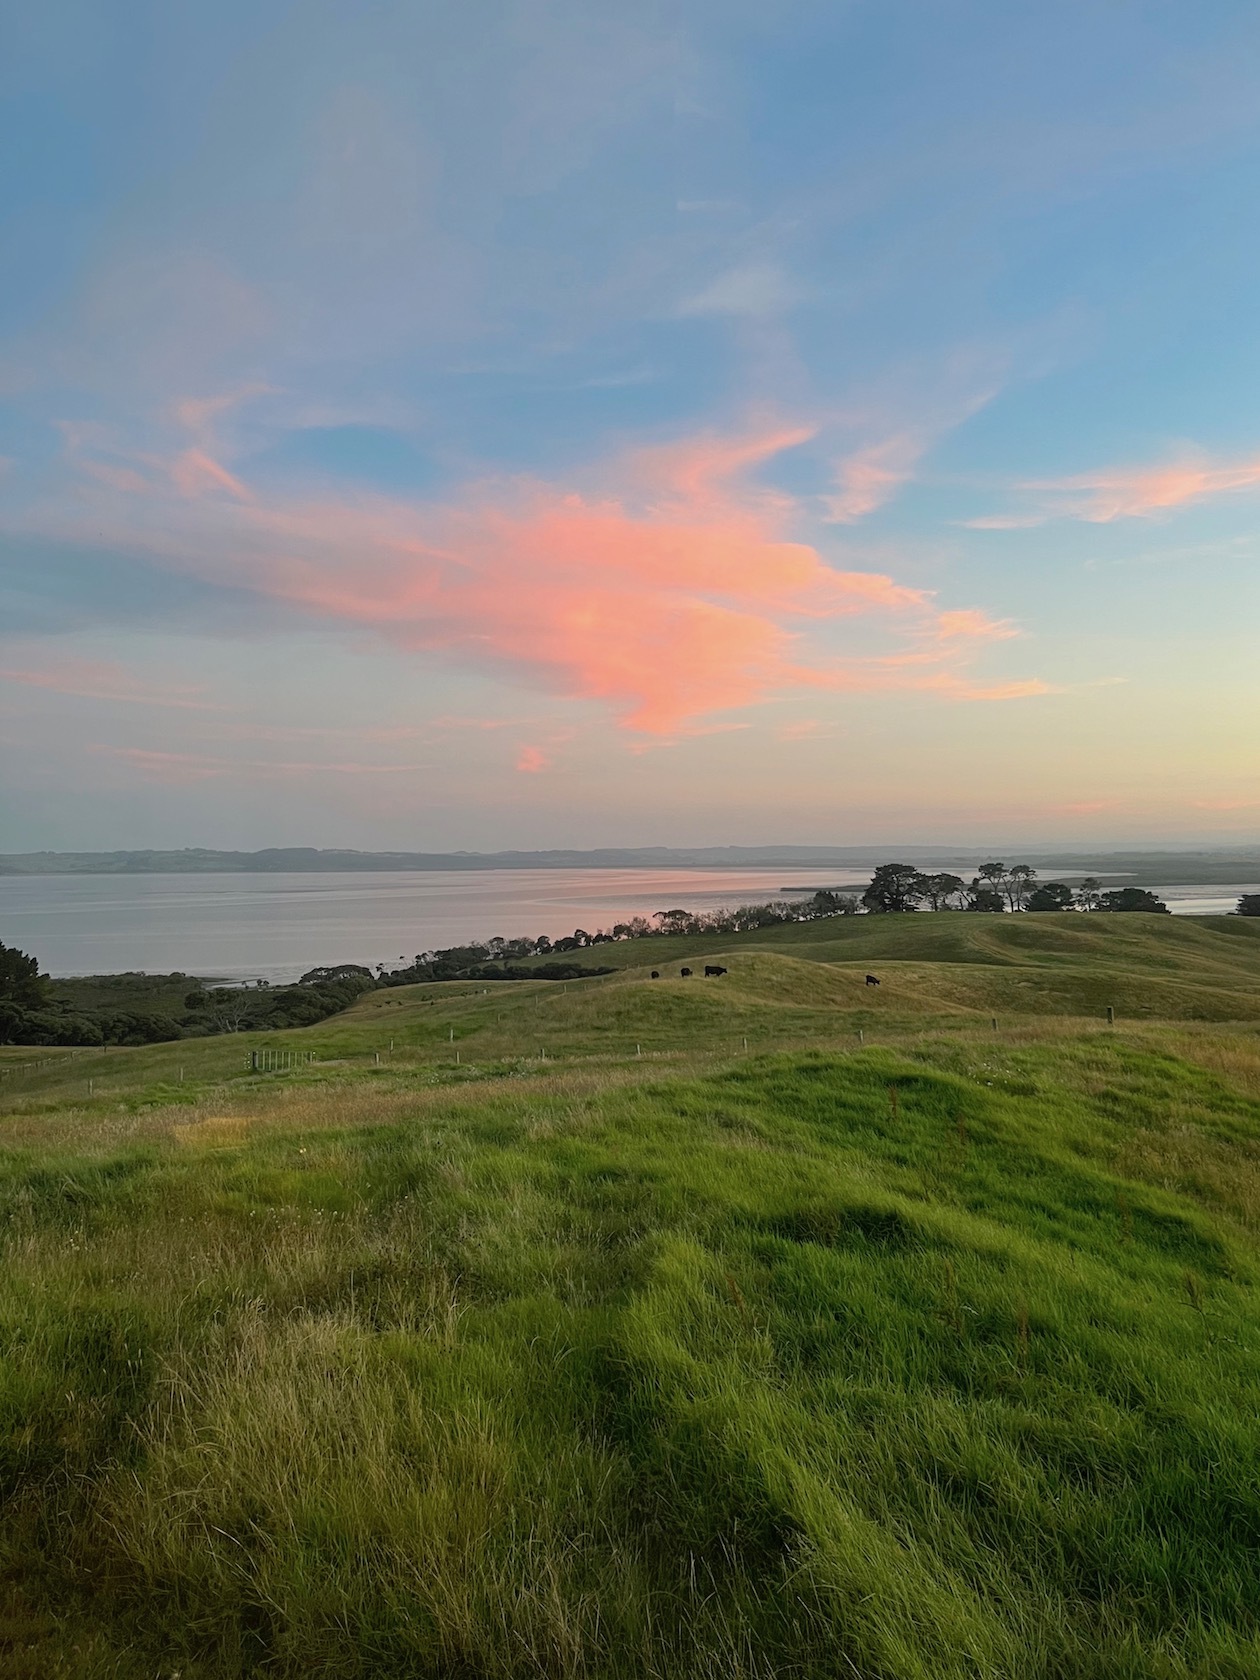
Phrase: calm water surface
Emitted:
{"points": [[276, 926]]}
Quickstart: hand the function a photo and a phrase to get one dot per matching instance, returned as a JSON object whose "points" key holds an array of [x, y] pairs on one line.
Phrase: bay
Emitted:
{"points": [[275, 927]]}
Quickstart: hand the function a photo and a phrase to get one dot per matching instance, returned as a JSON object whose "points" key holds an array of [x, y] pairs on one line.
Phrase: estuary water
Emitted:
{"points": [[275, 927]]}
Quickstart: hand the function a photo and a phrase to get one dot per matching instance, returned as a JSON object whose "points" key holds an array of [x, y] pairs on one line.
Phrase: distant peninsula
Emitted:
{"points": [[1203, 867]]}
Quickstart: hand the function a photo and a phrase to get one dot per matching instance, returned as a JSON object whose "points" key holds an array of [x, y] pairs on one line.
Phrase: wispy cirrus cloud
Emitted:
{"points": [[756, 289], [869, 476], [1114, 493], [88, 679], [671, 590], [193, 470], [182, 767]]}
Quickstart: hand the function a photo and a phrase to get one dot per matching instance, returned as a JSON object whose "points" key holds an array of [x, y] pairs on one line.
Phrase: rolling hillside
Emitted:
{"points": [[766, 1325]]}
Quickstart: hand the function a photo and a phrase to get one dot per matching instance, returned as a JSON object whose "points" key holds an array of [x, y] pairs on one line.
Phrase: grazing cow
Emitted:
{"points": [[710, 968], [656, 974], [685, 973], [871, 980]]}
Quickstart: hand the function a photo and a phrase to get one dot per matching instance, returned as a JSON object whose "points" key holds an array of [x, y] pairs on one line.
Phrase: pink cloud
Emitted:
{"points": [[804, 729], [664, 615], [959, 688], [971, 625], [1112, 493], [196, 414], [179, 768], [447, 722], [194, 472], [1005, 522], [531, 760], [678, 594], [870, 477], [117, 477], [1141, 493], [102, 680]]}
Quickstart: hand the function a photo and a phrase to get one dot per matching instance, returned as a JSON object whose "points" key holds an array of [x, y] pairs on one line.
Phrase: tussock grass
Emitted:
{"points": [[930, 1358]]}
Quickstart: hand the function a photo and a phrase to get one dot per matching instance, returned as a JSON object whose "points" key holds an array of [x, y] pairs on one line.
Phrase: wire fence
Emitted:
{"points": [[9, 1070], [272, 1061]]}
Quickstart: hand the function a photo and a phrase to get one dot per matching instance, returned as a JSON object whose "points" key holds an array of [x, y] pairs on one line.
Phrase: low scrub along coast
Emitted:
{"points": [[770, 1324]]}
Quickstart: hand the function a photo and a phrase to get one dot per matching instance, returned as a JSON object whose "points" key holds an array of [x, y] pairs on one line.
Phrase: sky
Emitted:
{"points": [[565, 423]]}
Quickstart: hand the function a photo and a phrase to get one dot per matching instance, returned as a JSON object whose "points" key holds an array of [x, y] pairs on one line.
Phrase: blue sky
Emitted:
{"points": [[544, 424]]}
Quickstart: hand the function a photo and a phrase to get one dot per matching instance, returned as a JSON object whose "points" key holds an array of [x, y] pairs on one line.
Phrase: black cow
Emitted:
{"points": [[656, 974], [710, 969], [871, 980], [685, 973]]}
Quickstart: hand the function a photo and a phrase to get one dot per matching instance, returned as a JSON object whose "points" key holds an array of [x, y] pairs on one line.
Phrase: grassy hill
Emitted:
{"points": [[546, 1330]]}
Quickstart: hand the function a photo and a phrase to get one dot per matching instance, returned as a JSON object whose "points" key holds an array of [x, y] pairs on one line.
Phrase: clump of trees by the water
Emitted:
{"points": [[130, 1009], [997, 888], [501, 959]]}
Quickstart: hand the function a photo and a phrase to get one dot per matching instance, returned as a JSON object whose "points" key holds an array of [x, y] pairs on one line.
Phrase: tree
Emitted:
{"points": [[1018, 884], [20, 979], [45, 1026], [939, 889], [1051, 895], [985, 898], [993, 876], [672, 921], [1133, 898], [353, 973], [1089, 894], [232, 1010], [1248, 905], [895, 887]]}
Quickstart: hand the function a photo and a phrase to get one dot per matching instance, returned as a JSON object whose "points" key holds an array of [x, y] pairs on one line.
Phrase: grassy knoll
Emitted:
{"points": [[613, 1349]]}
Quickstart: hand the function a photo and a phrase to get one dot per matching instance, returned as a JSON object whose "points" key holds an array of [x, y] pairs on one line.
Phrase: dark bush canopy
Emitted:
{"points": [[1052, 895], [1134, 898], [20, 980]]}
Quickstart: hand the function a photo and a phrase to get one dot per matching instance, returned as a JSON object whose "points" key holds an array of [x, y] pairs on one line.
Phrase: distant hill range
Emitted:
{"points": [[1197, 868]]}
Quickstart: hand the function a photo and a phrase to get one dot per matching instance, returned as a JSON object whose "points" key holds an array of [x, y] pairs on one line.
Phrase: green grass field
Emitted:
{"points": [[769, 1325]]}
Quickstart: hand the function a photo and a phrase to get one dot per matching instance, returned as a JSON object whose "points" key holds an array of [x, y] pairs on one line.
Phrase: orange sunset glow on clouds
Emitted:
{"points": [[684, 598]]}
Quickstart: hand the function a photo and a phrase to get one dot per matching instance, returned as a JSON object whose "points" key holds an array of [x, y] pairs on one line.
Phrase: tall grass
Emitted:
{"points": [[929, 1360]]}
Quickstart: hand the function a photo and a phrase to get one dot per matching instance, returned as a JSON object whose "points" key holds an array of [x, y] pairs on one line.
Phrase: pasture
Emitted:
{"points": [[762, 1325]]}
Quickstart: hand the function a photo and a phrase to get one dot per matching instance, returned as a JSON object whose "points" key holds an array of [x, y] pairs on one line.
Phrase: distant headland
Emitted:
{"points": [[1203, 866]]}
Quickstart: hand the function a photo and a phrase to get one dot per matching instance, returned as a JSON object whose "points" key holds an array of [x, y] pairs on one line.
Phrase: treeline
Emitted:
{"points": [[499, 959], [129, 1009], [997, 888]]}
